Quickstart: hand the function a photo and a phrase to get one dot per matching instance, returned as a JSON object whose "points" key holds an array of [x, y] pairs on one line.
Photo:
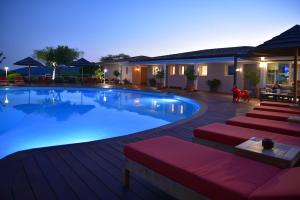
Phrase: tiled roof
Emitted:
{"points": [[207, 53], [287, 39]]}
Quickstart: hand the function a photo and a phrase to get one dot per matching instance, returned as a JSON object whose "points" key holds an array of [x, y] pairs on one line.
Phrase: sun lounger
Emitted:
{"points": [[191, 171], [285, 128], [226, 137], [19, 80], [269, 115], [3, 81], [293, 110], [276, 104]]}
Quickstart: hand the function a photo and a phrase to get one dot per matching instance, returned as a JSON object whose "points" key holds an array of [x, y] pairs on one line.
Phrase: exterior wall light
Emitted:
{"points": [[262, 64]]}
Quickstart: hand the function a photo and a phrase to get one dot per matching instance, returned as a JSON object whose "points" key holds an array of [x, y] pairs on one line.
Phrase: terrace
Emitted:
{"points": [[93, 170]]}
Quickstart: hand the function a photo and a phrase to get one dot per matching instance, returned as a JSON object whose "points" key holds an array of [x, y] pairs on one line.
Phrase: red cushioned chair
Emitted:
{"points": [[269, 115], [292, 110], [285, 128], [276, 104], [3, 81], [226, 137], [19, 80], [191, 171]]}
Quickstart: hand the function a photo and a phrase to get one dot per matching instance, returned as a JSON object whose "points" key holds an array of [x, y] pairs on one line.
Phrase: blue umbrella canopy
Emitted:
{"points": [[28, 62], [82, 63]]}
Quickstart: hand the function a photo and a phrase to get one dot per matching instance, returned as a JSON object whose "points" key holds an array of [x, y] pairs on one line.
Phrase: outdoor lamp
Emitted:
{"points": [[105, 70], [6, 69]]}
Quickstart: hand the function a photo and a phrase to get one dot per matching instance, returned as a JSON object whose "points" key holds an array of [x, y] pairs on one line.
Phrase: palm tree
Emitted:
{"points": [[59, 56]]}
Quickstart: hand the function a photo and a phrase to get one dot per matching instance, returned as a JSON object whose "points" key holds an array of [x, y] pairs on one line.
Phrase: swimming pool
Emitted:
{"points": [[39, 117]]}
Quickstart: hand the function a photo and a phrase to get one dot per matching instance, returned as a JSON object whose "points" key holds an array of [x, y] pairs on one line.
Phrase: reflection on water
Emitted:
{"points": [[39, 117]]}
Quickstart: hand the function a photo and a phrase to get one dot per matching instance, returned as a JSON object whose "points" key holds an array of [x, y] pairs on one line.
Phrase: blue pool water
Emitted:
{"points": [[39, 117]]}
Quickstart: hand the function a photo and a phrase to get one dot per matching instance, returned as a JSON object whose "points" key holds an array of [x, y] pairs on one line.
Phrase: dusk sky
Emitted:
{"points": [[139, 27]]}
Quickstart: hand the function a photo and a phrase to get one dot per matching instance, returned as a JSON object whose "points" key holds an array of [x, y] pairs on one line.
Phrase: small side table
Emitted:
{"points": [[281, 155]]}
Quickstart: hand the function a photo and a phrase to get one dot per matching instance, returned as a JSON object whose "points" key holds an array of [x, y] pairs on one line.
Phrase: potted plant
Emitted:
{"points": [[152, 82], [99, 73], [253, 78], [159, 76], [116, 74], [214, 84], [190, 78]]}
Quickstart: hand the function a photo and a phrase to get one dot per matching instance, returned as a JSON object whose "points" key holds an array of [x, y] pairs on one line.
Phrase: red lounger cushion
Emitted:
{"points": [[278, 109], [285, 185], [213, 173], [234, 135], [285, 128], [276, 104], [279, 116]]}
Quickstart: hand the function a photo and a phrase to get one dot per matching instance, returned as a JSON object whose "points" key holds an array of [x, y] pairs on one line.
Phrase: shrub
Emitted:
{"points": [[152, 82], [11, 77], [214, 84], [190, 74], [116, 73]]}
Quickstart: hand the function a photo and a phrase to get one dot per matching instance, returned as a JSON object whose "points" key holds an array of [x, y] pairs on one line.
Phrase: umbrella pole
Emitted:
{"points": [[29, 78], [295, 75], [82, 74]]}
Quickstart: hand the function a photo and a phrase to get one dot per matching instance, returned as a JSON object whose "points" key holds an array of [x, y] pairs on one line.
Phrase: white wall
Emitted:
{"points": [[215, 70]]}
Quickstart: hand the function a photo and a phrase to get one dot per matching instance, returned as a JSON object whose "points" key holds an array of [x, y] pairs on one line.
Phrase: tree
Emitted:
{"points": [[116, 73], [116, 57], [2, 57], [99, 74], [59, 56]]}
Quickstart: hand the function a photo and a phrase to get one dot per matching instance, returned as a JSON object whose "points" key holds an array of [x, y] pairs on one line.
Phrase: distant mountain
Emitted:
{"points": [[37, 71]]}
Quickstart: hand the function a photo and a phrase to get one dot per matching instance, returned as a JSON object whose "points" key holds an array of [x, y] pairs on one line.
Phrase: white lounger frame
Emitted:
{"points": [[169, 186]]}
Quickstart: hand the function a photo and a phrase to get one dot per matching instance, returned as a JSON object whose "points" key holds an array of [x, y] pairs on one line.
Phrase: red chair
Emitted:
{"points": [[238, 94], [44, 80], [285, 128], [276, 104], [291, 110], [19, 80], [279, 116], [228, 136], [3, 81]]}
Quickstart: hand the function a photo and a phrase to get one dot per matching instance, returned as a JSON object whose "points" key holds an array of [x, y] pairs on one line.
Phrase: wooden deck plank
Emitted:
{"points": [[97, 165], [21, 188], [142, 188], [8, 173], [39, 184], [89, 178], [57, 182], [78, 186]]}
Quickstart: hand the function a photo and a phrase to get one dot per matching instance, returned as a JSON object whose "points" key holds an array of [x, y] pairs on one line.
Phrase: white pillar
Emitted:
{"points": [[263, 74], [164, 68], [196, 72]]}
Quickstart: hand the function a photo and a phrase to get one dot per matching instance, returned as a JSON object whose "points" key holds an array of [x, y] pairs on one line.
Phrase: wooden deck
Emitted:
{"points": [[93, 170]]}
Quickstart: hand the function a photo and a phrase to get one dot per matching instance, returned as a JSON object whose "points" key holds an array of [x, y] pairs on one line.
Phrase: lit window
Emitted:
{"points": [[155, 69], [202, 70], [173, 70], [280, 73], [181, 70], [229, 70]]}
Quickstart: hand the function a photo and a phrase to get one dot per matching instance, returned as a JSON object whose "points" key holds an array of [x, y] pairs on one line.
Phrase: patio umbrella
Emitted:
{"points": [[28, 62], [285, 44], [82, 63]]}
